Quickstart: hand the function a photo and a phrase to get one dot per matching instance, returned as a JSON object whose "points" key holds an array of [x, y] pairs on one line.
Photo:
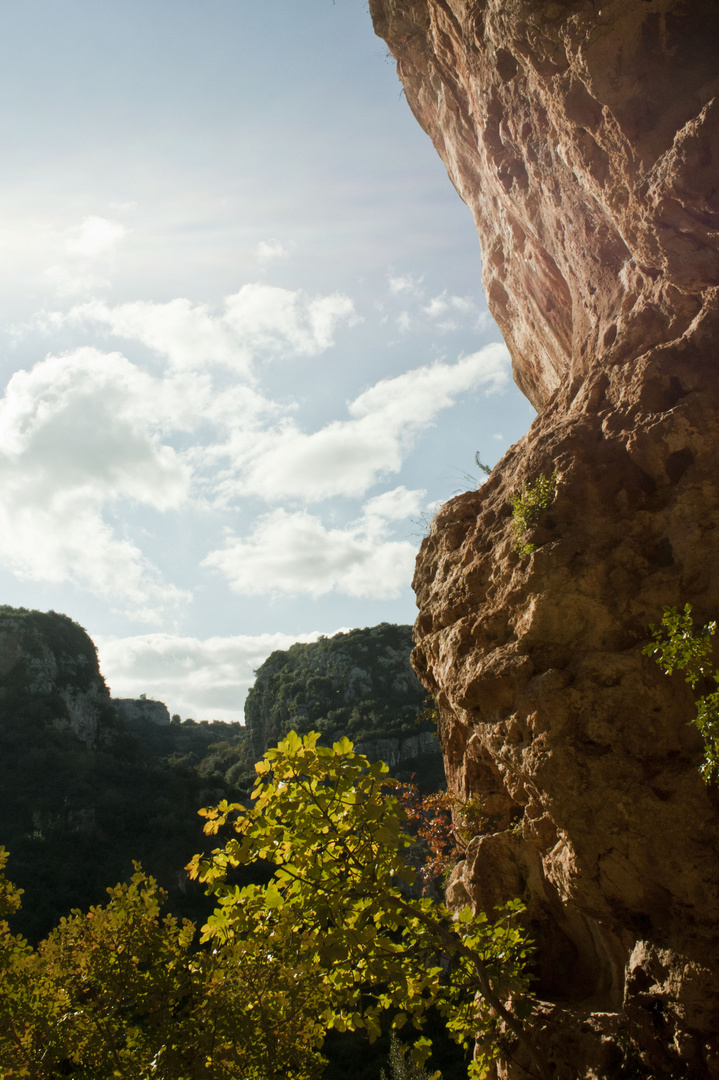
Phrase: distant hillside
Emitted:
{"points": [[49, 675], [359, 684], [84, 791], [88, 785]]}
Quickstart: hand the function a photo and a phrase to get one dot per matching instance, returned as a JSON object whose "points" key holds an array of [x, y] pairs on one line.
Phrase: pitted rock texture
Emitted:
{"points": [[579, 744], [583, 136]]}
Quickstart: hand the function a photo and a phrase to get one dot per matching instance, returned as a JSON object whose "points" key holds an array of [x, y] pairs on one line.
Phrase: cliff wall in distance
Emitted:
{"points": [[585, 139]]}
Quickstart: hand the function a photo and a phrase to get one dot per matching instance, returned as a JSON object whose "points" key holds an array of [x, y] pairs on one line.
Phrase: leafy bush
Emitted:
{"points": [[338, 908], [402, 1069], [333, 940], [527, 505]]}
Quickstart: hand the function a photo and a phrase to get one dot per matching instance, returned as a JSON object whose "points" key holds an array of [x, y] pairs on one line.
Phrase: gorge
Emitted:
{"points": [[585, 139]]}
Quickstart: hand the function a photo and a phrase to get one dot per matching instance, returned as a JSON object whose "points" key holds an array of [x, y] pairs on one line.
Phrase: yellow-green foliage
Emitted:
{"points": [[334, 939], [527, 504], [678, 644], [328, 822]]}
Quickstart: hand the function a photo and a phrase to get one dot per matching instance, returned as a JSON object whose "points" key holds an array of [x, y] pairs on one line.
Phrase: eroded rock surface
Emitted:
{"points": [[584, 137]]}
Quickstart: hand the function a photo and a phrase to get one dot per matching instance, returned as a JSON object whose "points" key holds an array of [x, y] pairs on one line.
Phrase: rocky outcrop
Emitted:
{"points": [[400, 751], [142, 709], [360, 684], [49, 676], [582, 138], [585, 139]]}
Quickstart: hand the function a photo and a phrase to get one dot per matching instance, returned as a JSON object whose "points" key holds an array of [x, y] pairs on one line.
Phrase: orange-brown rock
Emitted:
{"points": [[584, 136]]}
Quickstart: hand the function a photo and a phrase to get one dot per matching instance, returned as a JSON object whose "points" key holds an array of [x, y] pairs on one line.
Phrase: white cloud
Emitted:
{"points": [[257, 320], [269, 319], [205, 679], [76, 433], [270, 250], [295, 554], [404, 321], [441, 304], [446, 310], [188, 335], [403, 284], [94, 237], [89, 247], [346, 457]]}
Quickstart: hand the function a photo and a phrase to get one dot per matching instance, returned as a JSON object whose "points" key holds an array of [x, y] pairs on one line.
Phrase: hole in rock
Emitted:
{"points": [[610, 336], [662, 553], [677, 464]]}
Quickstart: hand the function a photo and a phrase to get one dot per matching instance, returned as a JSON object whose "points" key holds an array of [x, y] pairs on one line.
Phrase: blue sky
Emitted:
{"points": [[244, 350]]}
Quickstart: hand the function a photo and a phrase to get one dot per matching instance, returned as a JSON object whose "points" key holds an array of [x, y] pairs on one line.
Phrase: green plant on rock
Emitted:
{"points": [[678, 644], [486, 469], [527, 505]]}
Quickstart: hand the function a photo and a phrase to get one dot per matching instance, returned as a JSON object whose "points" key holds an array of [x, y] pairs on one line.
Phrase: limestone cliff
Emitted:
{"points": [[49, 675], [584, 136]]}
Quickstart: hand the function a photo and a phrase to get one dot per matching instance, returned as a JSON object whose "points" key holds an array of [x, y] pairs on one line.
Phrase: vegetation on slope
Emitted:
{"points": [[85, 794], [359, 684], [334, 940]]}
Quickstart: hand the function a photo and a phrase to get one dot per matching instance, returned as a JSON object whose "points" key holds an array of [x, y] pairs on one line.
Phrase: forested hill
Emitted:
{"points": [[359, 684], [87, 787]]}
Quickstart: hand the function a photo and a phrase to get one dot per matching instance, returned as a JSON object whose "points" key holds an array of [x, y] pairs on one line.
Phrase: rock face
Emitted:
{"points": [[581, 136], [585, 139], [398, 751], [142, 709], [360, 684], [49, 675]]}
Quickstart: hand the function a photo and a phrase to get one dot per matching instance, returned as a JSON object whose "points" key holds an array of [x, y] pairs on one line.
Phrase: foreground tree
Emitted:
{"points": [[340, 896], [334, 939], [121, 993]]}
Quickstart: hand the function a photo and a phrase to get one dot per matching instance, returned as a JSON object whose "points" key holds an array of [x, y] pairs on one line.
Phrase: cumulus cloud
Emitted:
{"points": [[269, 319], [88, 248], [346, 457], [403, 284], [206, 679], [271, 250], [294, 553], [446, 310], [85, 435], [77, 432], [440, 305], [258, 320], [94, 237], [188, 335]]}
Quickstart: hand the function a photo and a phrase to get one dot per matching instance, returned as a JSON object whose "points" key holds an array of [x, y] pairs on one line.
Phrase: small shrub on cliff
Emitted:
{"points": [[677, 643], [527, 504]]}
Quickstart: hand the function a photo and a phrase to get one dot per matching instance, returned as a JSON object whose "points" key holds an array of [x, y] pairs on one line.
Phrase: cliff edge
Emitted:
{"points": [[585, 139]]}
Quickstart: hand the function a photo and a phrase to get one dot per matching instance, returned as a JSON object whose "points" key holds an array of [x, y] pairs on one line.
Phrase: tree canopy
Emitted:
{"points": [[334, 939]]}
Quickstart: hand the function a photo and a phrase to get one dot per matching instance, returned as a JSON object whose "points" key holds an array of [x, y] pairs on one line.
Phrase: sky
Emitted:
{"points": [[244, 350]]}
